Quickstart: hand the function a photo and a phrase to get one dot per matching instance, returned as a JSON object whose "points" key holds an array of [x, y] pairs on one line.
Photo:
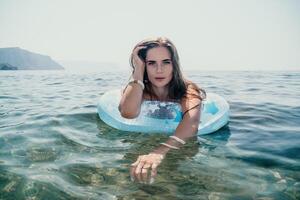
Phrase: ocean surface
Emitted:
{"points": [[54, 146]]}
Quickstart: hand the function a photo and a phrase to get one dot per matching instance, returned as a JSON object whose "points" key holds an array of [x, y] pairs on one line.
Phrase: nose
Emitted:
{"points": [[159, 68]]}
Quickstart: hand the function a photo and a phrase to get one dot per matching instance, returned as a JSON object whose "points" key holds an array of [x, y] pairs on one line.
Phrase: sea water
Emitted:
{"points": [[54, 146]]}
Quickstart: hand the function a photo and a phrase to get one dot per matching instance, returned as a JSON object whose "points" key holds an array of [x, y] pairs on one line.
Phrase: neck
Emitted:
{"points": [[161, 93]]}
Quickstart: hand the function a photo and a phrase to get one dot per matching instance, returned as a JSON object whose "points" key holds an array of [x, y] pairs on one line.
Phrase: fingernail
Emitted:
{"points": [[151, 180], [131, 178]]}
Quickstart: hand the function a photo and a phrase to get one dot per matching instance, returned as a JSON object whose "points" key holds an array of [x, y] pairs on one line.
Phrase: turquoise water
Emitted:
{"points": [[54, 146]]}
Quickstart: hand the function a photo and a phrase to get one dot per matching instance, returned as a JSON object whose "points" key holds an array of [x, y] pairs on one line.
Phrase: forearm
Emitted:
{"points": [[131, 100], [187, 129]]}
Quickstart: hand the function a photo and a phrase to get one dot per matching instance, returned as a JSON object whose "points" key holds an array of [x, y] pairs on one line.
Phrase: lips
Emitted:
{"points": [[159, 78]]}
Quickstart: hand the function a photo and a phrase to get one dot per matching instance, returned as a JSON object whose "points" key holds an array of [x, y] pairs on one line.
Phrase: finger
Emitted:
{"points": [[151, 180], [137, 161], [137, 49], [138, 174], [133, 168], [140, 47], [147, 165], [132, 173], [145, 172], [138, 170], [144, 175], [152, 175], [154, 170]]}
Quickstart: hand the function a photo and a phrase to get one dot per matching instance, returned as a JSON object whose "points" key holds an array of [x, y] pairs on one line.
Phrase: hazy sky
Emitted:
{"points": [[215, 35]]}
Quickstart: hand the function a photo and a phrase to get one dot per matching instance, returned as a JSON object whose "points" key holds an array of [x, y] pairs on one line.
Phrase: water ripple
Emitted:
{"points": [[54, 146]]}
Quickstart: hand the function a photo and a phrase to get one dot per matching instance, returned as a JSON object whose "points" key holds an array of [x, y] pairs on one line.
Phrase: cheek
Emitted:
{"points": [[171, 73], [149, 73]]}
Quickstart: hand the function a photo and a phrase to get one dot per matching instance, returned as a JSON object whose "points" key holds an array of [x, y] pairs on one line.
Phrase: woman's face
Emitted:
{"points": [[159, 66]]}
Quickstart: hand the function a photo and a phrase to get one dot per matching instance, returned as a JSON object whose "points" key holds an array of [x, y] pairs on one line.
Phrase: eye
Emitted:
{"points": [[167, 62], [150, 63]]}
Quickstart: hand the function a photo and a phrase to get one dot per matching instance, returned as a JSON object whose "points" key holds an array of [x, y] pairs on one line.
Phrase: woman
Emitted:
{"points": [[157, 76]]}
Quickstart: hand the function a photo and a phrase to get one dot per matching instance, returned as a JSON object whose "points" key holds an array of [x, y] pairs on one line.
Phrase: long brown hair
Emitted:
{"points": [[178, 87]]}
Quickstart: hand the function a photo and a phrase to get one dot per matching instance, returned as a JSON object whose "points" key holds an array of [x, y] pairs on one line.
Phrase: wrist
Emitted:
{"points": [[137, 81], [138, 74], [163, 150]]}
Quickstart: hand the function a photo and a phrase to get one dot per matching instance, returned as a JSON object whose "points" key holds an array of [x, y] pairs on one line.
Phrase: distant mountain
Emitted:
{"points": [[6, 66], [26, 60]]}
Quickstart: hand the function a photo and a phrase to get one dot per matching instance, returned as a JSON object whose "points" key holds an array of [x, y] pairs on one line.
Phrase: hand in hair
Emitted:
{"points": [[138, 64]]}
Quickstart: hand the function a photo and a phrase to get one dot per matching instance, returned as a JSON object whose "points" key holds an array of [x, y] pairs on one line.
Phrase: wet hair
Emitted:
{"points": [[178, 87]]}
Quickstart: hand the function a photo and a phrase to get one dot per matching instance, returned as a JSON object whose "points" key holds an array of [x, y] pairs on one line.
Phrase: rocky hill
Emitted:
{"points": [[5, 66], [26, 60]]}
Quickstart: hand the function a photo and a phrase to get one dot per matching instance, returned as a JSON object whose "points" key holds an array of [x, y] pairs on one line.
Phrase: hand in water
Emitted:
{"points": [[144, 170]]}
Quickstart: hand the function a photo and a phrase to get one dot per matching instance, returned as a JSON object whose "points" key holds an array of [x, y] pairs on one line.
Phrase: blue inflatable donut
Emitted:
{"points": [[162, 117]]}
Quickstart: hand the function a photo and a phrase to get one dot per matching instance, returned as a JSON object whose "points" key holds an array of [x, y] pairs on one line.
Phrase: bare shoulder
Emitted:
{"points": [[191, 101]]}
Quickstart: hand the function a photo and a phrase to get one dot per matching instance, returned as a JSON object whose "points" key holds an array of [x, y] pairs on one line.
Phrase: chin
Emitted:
{"points": [[160, 85]]}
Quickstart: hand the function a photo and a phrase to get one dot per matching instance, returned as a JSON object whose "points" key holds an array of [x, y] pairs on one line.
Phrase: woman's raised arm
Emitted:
{"points": [[130, 104]]}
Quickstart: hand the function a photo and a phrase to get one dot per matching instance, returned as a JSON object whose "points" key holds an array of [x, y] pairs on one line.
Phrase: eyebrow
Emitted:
{"points": [[167, 59]]}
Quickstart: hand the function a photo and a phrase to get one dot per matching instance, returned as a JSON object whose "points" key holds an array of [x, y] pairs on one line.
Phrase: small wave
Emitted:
{"points": [[12, 125], [53, 186], [270, 161], [90, 106], [38, 154], [7, 97], [79, 117], [57, 83], [252, 89]]}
